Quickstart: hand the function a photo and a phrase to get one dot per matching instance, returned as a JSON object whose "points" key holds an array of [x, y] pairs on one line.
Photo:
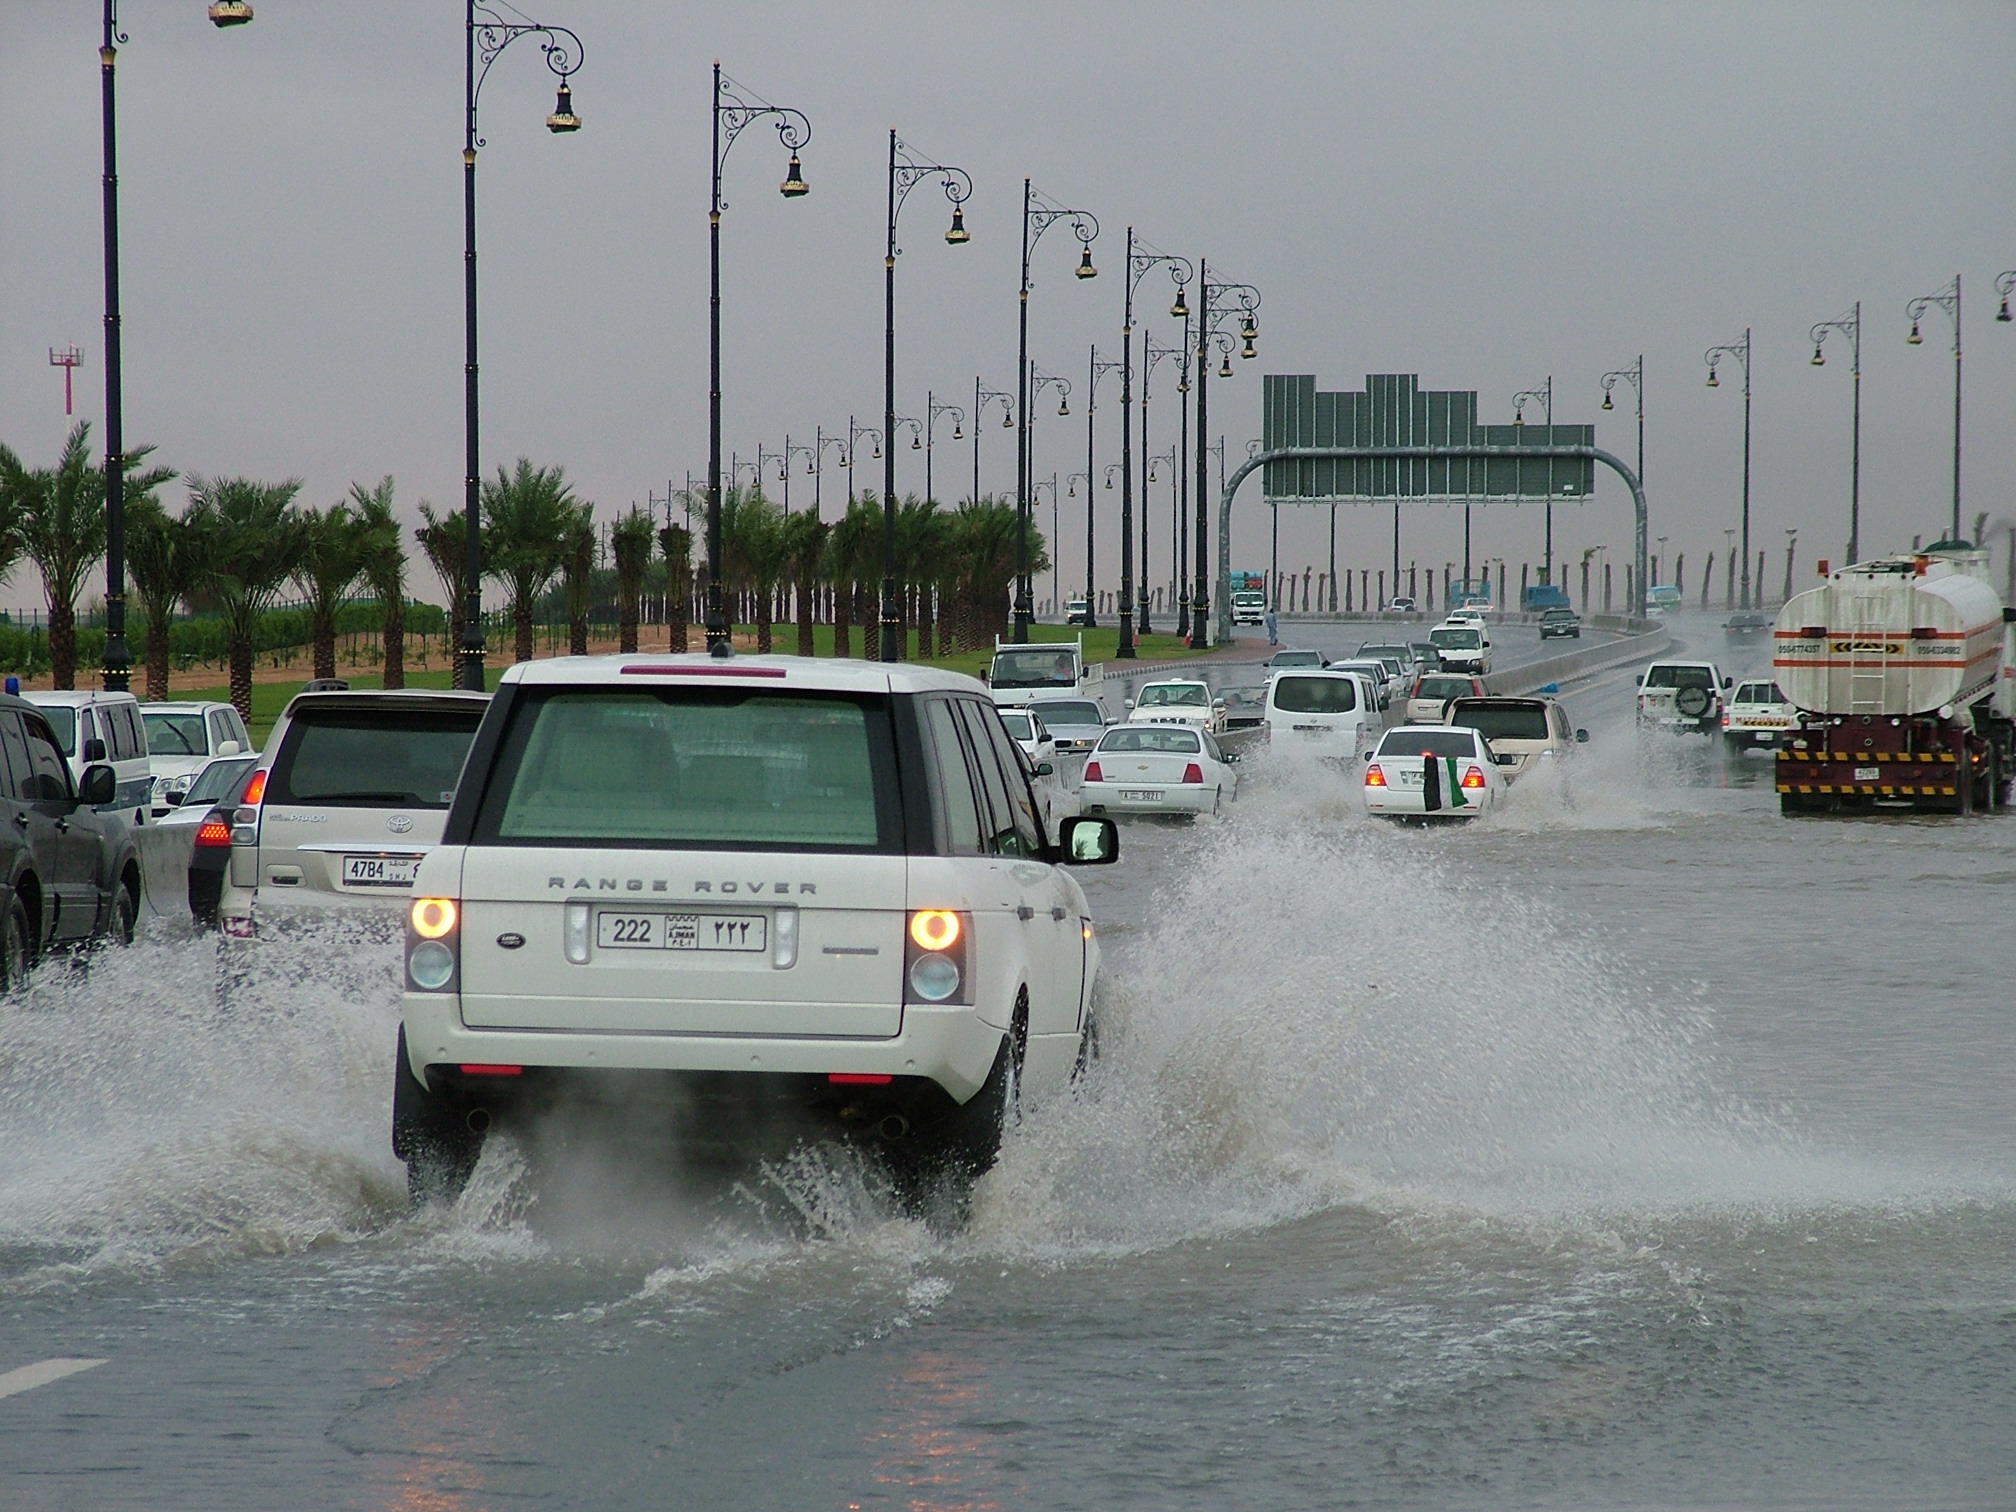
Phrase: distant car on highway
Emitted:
{"points": [[1432, 771], [1028, 732], [1529, 730], [1293, 657], [1465, 646], [1683, 696], [1077, 612], [1403, 605], [1433, 690], [1249, 606], [1756, 713], [1157, 769], [1746, 626], [1399, 660], [1427, 655], [1372, 667], [1560, 624], [1328, 709], [1075, 724], [1244, 707], [1177, 701]]}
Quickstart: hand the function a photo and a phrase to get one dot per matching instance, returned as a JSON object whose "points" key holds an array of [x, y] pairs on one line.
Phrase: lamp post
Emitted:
{"points": [[1739, 351], [1094, 371], [905, 173], [1543, 395], [784, 469], [932, 411], [1038, 216], [1850, 326], [982, 397], [818, 469], [1246, 300], [1791, 540], [1947, 299], [118, 665], [1179, 543], [1635, 376], [1181, 272], [1051, 484], [854, 435], [735, 107], [1150, 355], [1036, 381]]}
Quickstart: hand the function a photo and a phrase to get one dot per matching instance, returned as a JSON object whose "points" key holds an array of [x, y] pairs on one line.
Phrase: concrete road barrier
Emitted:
{"points": [[1534, 675]]}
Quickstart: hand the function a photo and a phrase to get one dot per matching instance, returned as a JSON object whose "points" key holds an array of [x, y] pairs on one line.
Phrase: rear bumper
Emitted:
{"points": [[244, 913], [1177, 798], [1936, 777], [1408, 804]]}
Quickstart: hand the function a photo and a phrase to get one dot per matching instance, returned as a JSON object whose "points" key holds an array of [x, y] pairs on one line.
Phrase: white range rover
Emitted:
{"points": [[761, 882]]}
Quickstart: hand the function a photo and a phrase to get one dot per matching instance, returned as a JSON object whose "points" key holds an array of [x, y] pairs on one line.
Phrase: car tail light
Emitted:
{"points": [[1473, 778], [935, 956], [1092, 773], [490, 1069], [859, 1078], [212, 833], [433, 945], [1193, 773], [245, 817], [1374, 777]]}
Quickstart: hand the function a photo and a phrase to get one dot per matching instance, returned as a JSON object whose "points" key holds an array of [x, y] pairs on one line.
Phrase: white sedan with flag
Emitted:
{"points": [[1433, 771]]}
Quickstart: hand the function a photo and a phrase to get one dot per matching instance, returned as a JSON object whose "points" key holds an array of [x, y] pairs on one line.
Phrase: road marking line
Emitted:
{"points": [[28, 1377]]}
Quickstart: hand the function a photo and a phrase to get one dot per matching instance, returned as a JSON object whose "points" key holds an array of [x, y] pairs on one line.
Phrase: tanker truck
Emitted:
{"points": [[1903, 673]]}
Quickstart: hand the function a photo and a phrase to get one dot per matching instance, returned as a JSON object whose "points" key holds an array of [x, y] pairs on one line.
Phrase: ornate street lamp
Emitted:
{"points": [[118, 665], [933, 411], [735, 107], [821, 442], [1151, 353], [1738, 351], [905, 173], [1038, 216], [1850, 326], [791, 453], [982, 397], [847, 460], [1947, 299], [1094, 371], [1180, 272], [1244, 300], [1544, 395], [1034, 488]]}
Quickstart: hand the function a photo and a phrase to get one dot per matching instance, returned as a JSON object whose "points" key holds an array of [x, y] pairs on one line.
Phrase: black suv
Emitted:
{"points": [[68, 873]]}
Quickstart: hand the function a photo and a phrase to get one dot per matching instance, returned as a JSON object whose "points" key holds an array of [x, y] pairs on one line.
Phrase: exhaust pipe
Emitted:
{"points": [[893, 1127], [478, 1120]]}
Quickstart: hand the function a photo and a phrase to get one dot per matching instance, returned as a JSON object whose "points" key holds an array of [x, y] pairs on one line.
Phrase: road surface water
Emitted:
{"points": [[1632, 1147]]}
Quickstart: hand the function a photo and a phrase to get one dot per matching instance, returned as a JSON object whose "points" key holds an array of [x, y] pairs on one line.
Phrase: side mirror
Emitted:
{"points": [[172, 797], [1725, 682], [1045, 769], [94, 749], [228, 748], [1128, 702], [1581, 737], [99, 786], [1089, 842]]}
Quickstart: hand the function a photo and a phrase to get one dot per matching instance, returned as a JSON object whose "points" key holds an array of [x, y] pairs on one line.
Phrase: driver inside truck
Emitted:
{"points": [[1061, 671]]}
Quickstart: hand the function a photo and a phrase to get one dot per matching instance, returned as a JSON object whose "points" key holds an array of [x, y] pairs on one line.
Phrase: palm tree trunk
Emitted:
{"points": [[63, 644], [395, 643], [843, 619], [806, 592], [626, 619], [238, 653], [764, 609], [157, 657], [322, 633], [521, 622], [577, 634]]}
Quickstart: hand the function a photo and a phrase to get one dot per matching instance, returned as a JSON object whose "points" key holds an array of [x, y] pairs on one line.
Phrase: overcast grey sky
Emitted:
{"points": [[1485, 194]]}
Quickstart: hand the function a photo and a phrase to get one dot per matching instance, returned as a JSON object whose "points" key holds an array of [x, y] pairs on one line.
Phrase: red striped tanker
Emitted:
{"points": [[1903, 671]]}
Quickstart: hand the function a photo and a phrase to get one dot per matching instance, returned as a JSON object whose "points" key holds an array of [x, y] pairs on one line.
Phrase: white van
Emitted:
{"points": [[95, 727], [1464, 647], [1328, 709]]}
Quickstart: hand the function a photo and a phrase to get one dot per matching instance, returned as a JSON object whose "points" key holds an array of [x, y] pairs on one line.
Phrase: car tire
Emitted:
{"points": [[431, 1134], [125, 915], [962, 1147], [17, 946]]}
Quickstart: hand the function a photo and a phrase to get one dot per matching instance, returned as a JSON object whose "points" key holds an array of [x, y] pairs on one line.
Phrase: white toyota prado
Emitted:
{"points": [[746, 882]]}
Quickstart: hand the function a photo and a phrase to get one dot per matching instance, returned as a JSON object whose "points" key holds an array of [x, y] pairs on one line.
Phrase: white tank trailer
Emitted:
{"points": [[1903, 671]]}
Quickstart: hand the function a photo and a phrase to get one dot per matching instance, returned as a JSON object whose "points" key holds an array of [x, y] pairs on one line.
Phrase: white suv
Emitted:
{"points": [[1757, 713], [744, 884], [1682, 695], [350, 792]]}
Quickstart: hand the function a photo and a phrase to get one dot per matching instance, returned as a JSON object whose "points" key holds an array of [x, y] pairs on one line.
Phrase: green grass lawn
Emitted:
{"points": [[269, 698]]}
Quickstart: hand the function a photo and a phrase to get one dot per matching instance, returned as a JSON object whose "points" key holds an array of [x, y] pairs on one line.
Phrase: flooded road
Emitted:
{"points": [[1633, 1147]]}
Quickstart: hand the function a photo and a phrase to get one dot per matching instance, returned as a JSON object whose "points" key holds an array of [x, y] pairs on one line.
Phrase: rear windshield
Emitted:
{"points": [[1384, 653], [1759, 692], [1315, 695], [695, 768], [1510, 721], [1416, 742], [373, 758], [1167, 738], [175, 734], [1444, 687], [1666, 676], [1456, 638], [220, 780], [1296, 659], [1034, 668], [1066, 712]]}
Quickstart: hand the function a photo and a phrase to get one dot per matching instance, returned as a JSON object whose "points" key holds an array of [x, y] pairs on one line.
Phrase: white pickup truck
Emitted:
{"points": [[1051, 669]]}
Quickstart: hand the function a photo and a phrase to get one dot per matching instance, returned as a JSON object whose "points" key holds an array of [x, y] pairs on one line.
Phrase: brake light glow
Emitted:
{"points": [[1092, 772], [433, 918], [1193, 773], [1473, 778], [859, 1078], [212, 832], [934, 928], [708, 669], [255, 790], [490, 1070], [1374, 777]]}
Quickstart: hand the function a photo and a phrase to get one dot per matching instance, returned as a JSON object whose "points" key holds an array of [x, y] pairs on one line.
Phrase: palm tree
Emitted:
{"points": [[527, 515], [384, 570], [983, 537], [676, 541], [630, 545], [578, 568], [334, 546], [258, 537], [755, 553], [804, 549], [167, 559], [920, 559], [443, 541], [58, 518], [853, 556]]}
